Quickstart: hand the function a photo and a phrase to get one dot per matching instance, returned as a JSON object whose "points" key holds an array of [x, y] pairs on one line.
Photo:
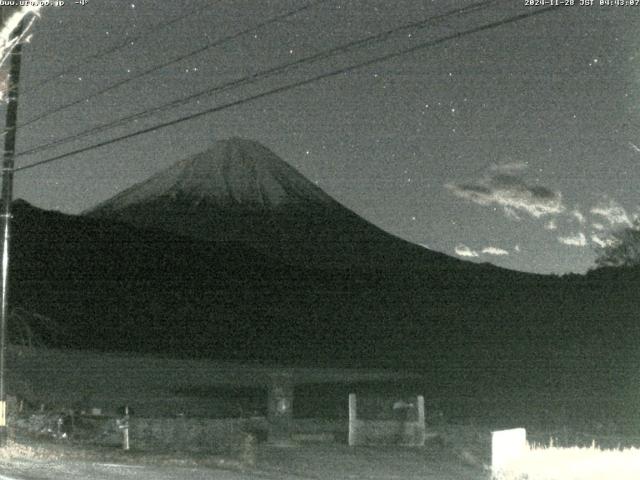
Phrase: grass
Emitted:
{"points": [[14, 450], [29, 450], [573, 463]]}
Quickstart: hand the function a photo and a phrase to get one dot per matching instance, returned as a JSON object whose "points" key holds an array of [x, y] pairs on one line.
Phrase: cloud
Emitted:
{"points": [[597, 226], [517, 248], [601, 241], [577, 240], [494, 251], [612, 211], [512, 214], [464, 251], [579, 216], [510, 191], [551, 225]]}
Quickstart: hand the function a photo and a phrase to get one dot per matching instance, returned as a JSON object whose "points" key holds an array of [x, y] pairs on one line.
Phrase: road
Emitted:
{"points": [[110, 471], [77, 470]]}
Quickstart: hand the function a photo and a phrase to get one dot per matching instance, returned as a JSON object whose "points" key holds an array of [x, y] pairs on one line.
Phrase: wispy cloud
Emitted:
{"points": [[572, 225], [601, 240], [577, 214], [612, 211], [512, 214], [576, 240], [494, 251], [509, 191], [464, 251]]}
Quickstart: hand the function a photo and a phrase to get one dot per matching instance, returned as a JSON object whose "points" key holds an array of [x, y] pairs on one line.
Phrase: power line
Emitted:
{"points": [[293, 85], [125, 43], [264, 73], [192, 53]]}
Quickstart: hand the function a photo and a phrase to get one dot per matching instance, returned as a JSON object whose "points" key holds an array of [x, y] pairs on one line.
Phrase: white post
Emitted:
{"points": [[353, 416], [422, 427], [421, 419], [125, 440], [125, 429], [507, 446]]}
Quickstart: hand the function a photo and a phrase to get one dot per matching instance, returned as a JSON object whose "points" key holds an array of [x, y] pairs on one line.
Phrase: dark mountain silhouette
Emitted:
{"points": [[116, 287]]}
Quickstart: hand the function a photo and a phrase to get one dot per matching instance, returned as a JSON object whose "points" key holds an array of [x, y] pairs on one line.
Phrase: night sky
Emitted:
{"points": [[517, 145]]}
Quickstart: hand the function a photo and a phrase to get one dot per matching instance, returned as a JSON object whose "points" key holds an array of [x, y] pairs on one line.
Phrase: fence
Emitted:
{"points": [[408, 428]]}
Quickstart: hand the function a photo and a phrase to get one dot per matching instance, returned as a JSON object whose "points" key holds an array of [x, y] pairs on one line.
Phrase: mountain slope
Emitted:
{"points": [[241, 191]]}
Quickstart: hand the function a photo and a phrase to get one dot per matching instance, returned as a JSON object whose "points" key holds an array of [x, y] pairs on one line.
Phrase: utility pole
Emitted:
{"points": [[5, 216]]}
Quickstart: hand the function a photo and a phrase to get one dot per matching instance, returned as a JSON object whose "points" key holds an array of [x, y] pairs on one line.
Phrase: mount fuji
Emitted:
{"points": [[240, 191]]}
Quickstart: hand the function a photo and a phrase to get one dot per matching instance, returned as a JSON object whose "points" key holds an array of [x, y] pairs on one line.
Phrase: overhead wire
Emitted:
{"points": [[127, 42], [173, 61], [296, 84], [263, 74]]}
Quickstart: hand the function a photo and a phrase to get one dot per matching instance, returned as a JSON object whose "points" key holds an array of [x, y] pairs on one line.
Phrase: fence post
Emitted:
{"points": [[123, 424], [125, 431], [422, 427], [353, 418]]}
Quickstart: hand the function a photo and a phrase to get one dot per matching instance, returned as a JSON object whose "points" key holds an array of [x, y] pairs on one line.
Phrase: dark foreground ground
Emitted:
{"points": [[298, 463], [438, 460], [455, 452]]}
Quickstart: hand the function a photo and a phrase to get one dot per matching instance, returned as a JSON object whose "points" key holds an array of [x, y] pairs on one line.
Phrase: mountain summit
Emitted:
{"points": [[232, 173], [240, 191]]}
